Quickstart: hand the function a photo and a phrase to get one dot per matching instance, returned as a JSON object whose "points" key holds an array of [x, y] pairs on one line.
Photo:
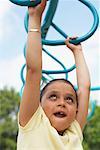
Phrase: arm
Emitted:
{"points": [[83, 81], [31, 95]]}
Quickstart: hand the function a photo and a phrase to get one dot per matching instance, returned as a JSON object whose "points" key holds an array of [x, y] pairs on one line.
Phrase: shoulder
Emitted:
{"points": [[34, 121], [76, 129]]}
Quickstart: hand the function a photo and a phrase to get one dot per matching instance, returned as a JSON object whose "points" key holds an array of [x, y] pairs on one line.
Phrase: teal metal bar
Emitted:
{"points": [[49, 17], [59, 71], [92, 110], [48, 22], [96, 88], [54, 58], [26, 2], [21, 74], [86, 36], [59, 30]]}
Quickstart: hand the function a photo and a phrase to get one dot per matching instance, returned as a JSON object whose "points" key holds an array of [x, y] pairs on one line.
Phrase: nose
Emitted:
{"points": [[61, 103]]}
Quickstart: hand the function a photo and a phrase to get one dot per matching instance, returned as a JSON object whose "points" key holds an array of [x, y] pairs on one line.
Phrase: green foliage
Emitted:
{"points": [[9, 101], [92, 132]]}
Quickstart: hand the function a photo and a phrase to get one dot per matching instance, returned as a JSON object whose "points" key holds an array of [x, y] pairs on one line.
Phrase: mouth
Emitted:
{"points": [[60, 114]]}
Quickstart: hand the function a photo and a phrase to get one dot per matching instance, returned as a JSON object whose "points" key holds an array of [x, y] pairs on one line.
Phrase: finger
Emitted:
{"points": [[68, 44], [43, 2], [67, 40], [73, 37]]}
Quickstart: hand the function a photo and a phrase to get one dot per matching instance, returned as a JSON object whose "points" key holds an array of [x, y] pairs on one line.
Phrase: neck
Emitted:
{"points": [[61, 132]]}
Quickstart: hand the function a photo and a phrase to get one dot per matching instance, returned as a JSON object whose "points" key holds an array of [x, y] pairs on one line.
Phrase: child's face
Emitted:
{"points": [[60, 105]]}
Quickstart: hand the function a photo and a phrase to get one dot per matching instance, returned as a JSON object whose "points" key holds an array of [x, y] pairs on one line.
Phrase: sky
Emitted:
{"points": [[72, 17]]}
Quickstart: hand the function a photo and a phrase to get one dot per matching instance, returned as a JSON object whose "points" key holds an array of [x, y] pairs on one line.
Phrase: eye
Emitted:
{"points": [[69, 100], [53, 97]]}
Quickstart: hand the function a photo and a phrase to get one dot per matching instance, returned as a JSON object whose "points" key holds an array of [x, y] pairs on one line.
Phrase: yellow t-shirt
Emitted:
{"points": [[38, 134]]}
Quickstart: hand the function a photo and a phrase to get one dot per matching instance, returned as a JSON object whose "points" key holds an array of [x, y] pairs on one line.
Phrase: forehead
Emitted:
{"points": [[60, 86]]}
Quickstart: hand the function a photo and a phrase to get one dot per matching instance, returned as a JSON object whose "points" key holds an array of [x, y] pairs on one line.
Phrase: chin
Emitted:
{"points": [[59, 127], [60, 124]]}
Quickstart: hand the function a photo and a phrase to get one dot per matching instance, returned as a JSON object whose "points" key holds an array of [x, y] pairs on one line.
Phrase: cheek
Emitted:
{"points": [[72, 111], [47, 107]]}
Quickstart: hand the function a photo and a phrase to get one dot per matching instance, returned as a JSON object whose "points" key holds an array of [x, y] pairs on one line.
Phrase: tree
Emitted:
{"points": [[9, 101], [92, 132]]}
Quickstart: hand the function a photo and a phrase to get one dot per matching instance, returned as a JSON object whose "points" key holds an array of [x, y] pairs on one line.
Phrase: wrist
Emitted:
{"points": [[34, 23], [77, 52], [35, 18], [34, 30]]}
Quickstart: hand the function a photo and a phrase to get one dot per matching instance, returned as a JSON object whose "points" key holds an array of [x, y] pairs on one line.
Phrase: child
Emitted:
{"points": [[53, 119]]}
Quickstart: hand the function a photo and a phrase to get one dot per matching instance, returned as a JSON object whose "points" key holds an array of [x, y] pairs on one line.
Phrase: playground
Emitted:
{"points": [[59, 21]]}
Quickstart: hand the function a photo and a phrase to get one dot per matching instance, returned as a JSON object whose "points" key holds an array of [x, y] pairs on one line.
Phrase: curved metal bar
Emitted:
{"points": [[59, 30], [49, 17], [45, 79], [93, 106], [26, 2], [59, 71], [21, 91], [22, 79], [24, 51], [21, 74], [97, 88], [54, 58], [83, 38], [47, 20], [26, 19]]}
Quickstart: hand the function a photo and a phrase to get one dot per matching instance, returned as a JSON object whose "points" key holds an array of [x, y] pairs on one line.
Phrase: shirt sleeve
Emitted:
{"points": [[75, 128], [33, 122]]}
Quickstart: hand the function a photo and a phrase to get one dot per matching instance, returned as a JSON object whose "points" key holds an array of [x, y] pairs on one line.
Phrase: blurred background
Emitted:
{"points": [[74, 19]]}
